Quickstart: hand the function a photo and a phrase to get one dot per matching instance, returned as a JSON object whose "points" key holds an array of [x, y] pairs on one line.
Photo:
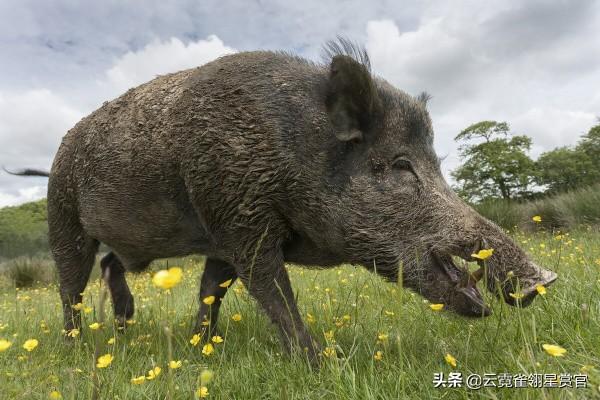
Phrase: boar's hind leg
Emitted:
{"points": [[216, 273], [268, 282], [74, 261], [119, 291]]}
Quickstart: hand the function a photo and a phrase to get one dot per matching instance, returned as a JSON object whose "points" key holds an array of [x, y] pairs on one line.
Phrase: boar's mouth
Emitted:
{"points": [[462, 295]]}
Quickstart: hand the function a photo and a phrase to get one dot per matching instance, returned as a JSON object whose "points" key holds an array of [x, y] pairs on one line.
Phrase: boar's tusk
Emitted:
{"points": [[471, 279], [477, 275]]}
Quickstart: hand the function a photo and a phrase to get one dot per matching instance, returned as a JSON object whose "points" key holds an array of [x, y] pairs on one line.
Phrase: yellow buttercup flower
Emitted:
{"points": [[55, 395], [483, 254], [208, 349], [329, 352], [30, 344], [174, 364], [153, 373], [382, 337], [138, 380], [195, 340], [77, 307], [4, 345], [95, 326], [536, 218], [554, 350], [378, 355], [450, 360], [104, 361], [436, 307], [87, 310], [236, 317], [73, 333], [111, 340], [541, 289], [226, 284], [209, 300], [167, 278], [217, 339], [202, 392]]}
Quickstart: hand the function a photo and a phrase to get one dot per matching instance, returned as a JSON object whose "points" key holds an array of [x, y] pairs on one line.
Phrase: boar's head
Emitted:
{"points": [[394, 206]]}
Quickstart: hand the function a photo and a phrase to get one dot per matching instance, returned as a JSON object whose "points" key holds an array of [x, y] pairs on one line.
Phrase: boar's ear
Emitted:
{"points": [[351, 98]]}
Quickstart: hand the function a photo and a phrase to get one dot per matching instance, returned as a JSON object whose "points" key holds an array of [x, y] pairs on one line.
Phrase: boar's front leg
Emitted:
{"points": [[216, 278], [119, 290], [268, 282]]}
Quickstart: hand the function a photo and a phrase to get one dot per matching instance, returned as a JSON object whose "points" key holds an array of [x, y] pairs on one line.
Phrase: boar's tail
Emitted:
{"points": [[28, 172]]}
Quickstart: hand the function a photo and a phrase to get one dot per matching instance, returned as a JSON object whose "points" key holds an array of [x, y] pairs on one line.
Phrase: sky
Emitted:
{"points": [[534, 64]]}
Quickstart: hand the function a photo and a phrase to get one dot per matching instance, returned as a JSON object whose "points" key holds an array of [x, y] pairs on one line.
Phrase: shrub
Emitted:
{"points": [[28, 271], [505, 213], [562, 211]]}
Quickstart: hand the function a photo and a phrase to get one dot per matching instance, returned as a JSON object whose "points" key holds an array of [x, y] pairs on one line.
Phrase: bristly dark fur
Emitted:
{"points": [[345, 47], [424, 97]]}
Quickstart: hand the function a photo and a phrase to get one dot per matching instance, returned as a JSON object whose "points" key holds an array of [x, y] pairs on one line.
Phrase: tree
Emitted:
{"points": [[590, 146], [562, 169], [568, 168], [498, 166]]}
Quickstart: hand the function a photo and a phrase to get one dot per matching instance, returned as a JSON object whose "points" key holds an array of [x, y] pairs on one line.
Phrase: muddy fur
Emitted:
{"points": [[256, 159]]}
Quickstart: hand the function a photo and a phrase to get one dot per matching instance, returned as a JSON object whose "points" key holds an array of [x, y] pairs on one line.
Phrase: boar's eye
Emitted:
{"points": [[403, 164]]}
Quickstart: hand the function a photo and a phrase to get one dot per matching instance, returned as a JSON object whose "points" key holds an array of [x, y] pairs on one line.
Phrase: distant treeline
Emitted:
{"points": [[23, 230], [496, 165]]}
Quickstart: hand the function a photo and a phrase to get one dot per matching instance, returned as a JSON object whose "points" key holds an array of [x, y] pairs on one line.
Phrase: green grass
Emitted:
{"points": [[249, 364]]}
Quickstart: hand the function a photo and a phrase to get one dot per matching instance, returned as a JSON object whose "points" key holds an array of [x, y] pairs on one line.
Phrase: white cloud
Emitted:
{"points": [[23, 195], [159, 58], [32, 123], [418, 60], [31, 126], [552, 127]]}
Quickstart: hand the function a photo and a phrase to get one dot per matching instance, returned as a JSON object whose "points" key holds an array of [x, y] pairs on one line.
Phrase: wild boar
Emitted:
{"points": [[261, 158]]}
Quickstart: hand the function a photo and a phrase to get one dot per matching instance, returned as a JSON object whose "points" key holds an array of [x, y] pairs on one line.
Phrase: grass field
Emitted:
{"points": [[348, 310]]}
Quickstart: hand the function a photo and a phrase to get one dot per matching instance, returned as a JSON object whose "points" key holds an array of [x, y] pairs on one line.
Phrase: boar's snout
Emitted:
{"points": [[508, 272], [521, 291]]}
